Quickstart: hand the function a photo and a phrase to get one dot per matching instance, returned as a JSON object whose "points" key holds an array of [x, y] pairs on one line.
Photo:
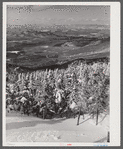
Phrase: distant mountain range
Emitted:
{"points": [[19, 28], [35, 48]]}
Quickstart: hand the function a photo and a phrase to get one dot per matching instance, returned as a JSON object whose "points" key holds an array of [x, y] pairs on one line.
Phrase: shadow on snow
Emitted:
{"points": [[17, 125]]}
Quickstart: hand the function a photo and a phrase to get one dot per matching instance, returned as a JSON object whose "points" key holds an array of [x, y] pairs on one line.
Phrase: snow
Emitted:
{"points": [[22, 128], [16, 52]]}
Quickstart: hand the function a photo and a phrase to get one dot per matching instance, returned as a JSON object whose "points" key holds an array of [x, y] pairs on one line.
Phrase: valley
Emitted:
{"points": [[35, 49]]}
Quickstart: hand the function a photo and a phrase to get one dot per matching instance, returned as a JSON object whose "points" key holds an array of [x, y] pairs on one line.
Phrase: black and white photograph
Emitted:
{"points": [[57, 79]]}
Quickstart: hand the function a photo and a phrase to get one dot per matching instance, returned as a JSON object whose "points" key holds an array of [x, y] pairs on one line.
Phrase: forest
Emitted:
{"points": [[85, 84]]}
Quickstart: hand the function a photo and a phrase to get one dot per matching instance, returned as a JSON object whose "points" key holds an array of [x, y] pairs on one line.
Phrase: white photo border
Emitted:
{"points": [[115, 128]]}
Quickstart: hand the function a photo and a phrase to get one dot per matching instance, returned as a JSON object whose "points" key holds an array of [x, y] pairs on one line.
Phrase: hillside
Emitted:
{"points": [[37, 49]]}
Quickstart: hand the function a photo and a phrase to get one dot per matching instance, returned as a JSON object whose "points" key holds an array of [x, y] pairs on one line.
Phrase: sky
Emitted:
{"points": [[57, 14]]}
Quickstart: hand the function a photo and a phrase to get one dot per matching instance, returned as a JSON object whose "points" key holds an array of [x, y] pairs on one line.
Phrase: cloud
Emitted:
{"points": [[71, 19], [94, 19]]}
